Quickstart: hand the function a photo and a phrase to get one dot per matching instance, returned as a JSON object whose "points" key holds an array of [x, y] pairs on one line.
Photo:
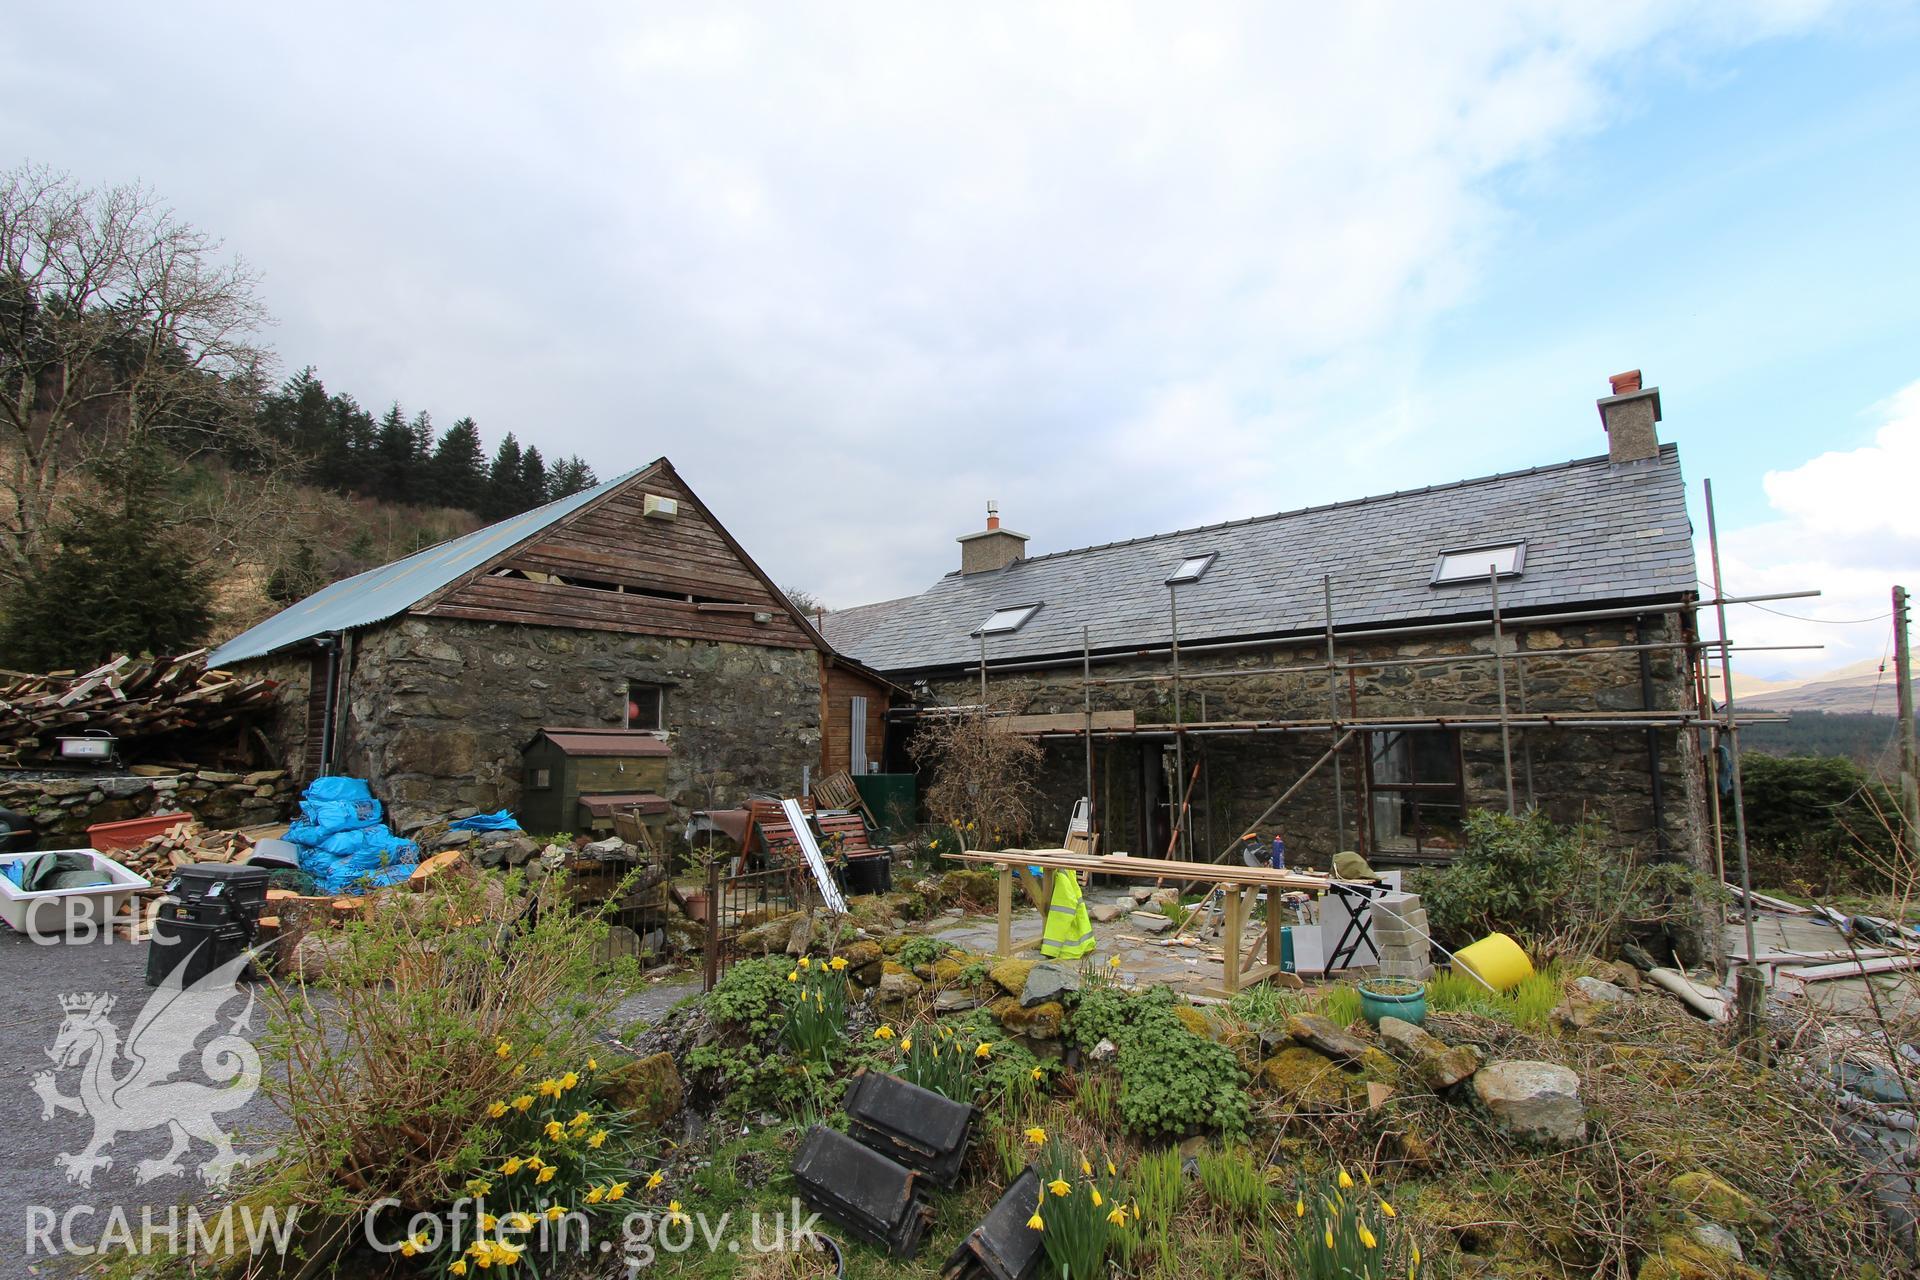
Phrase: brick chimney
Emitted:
{"points": [[1629, 415], [992, 547]]}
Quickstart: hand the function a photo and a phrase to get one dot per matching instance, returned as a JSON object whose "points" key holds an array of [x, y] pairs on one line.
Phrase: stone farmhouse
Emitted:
{"points": [[1387, 664], [627, 606]]}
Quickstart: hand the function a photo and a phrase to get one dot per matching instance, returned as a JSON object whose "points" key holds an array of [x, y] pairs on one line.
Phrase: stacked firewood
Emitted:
{"points": [[133, 699], [187, 843]]}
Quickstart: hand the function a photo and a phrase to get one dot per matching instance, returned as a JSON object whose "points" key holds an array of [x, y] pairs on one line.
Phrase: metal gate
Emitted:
{"points": [[736, 903]]}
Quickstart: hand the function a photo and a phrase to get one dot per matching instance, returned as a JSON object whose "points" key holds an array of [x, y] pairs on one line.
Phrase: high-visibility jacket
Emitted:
{"points": [[1068, 933]]}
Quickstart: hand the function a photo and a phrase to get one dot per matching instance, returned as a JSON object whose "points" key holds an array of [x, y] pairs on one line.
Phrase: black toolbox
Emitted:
{"points": [[209, 917], [216, 893]]}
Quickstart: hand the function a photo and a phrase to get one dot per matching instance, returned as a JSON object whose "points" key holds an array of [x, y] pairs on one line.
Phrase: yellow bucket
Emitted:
{"points": [[1497, 960]]}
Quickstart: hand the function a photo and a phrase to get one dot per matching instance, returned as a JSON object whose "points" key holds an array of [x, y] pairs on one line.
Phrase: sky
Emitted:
{"points": [[859, 268]]}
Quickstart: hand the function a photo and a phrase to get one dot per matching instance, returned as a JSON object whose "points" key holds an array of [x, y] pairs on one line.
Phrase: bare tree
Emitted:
{"points": [[984, 777], [123, 327]]}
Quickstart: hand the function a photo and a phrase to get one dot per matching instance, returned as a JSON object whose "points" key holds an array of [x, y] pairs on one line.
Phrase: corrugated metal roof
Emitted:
{"points": [[379, 594], [605, 742], [1594, 532]]}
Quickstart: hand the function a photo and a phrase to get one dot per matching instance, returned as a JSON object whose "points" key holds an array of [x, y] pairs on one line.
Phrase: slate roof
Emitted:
{"points": [[1595, 533], [379, 594]]}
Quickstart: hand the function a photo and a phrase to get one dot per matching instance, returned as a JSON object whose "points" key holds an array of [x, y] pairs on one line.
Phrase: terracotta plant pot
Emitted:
{"points": [[132, 833], [698, 906]]}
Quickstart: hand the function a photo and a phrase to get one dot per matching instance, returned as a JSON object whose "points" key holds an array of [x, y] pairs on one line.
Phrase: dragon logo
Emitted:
{"points": [[135, 1089]]}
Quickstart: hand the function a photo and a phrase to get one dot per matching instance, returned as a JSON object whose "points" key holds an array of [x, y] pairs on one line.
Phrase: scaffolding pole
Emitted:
{"points": [[1749, 973], [1500, 683], [1086, 697], [1333, 718]]}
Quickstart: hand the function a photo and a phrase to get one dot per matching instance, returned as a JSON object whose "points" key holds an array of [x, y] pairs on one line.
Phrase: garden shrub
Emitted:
{"points": [[1816, 824], [1173, 1081], [922, 950]]}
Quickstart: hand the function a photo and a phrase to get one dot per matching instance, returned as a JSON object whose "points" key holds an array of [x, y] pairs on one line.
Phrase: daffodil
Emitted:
{"points": [[985, 1050], [616, 1191], [1038, 1074], [674, 1214], [488, 1222], [592, 1065], [805, 962], [1097, 1202], [1415, 1255], [546, 1174], [506, 1254], [1367, 1237], [458, 1267], [1329, 1235], [496, 1109], [837, 963], [1113, 962], [517, 1221], [906, 1045], [549, 1088], [1111, 1170], [512, 1165], [1036, 1136], [581, 1120], [412, 1245], [503, 1050], [1346, 1183], [478, 1186], [657, 1178], [1300, 1207], [555, 1131], [1388, 1209], [1036, 1222], [793, 975], [596, 1194], [1059, 1186], [883, 1032], [522, 1102], [569, 1080], [535, 1163], [1117, 1216], [556, 1212], [599, 1137]]}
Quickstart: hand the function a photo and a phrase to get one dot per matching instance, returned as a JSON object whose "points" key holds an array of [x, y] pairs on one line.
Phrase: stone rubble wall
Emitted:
{"points": [[441, 708], [62, 808], [1576, 773]]}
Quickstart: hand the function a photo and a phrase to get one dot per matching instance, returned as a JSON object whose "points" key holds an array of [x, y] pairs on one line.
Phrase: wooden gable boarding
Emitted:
{"points": [[622, 564]]}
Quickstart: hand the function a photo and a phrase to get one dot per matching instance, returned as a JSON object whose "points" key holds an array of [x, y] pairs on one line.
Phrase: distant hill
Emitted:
{"points": [[1866, 740], [1860, 689]]}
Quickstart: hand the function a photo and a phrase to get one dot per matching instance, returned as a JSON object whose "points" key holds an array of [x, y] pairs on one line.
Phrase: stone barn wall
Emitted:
{"points": [[440, 709], [1576, 773]]}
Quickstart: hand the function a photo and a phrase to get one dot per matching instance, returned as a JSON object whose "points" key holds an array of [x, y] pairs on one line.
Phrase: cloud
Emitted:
{"points": [[1848, 527], [1070, 256]]}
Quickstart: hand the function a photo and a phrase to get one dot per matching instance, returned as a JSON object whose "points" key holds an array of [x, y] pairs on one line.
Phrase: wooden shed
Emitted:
{"points": [[574, 779]]}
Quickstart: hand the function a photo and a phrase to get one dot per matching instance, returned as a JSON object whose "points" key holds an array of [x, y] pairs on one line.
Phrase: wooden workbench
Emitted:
{"points": [[1236, 881]]}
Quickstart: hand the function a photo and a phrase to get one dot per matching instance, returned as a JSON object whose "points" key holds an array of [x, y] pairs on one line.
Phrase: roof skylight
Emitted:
{"points": [[1193, 568], [1469, 564], [1006, 621]]}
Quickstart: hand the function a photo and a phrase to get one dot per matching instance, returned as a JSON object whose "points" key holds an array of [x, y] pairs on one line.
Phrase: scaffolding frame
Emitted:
{"points": [[1713, 728]]}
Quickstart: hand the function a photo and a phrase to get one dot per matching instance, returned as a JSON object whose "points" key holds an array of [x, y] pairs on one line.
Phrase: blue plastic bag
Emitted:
{"points": [[332, 805], [501, 821], [342, 842]]}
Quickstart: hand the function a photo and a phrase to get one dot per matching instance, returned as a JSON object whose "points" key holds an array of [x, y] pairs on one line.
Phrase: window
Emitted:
{"points": [[1008, 620], [1192, 568], [1413, 781], [1470, 564], [646, 706], [541, 780]]}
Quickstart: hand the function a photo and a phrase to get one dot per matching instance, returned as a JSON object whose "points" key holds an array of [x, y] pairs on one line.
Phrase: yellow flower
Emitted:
{"points": [[599, 1136], [1329, 1235], [478, 1186], [657, 1178], [1117, 1216], [488, 1222], [616, 1191], [496, 1109], [506, 1254], [984, 1051], [535, 1163], [1366, 1237], [410, 1246], [522, 1102], [556, 1212], [502, 1050], [805, 962], [1096, 1198], [517, 1221], [1388, 1209], [793, 975], [596, 1194], [1111, 1170], [592, 1065], [1059, 1186], [1036, 1135], [1037, 1074], [580, 1120], [906, 1045], [1086, 1168], [1345, 1182], [555, 1130], [1113, 962], [837, 963], [546, 1174], [458, 1267], [1416, 1255], [1036, 1222], [1300, 1207], [674, 1214], [549, 1088], [883, 1032], [569, 1080], [1366, 1177], [512, 1166]]}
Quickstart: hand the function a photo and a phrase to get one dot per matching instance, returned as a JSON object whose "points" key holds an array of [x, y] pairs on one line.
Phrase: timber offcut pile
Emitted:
{"points": [[137, 700], [190, 842]]}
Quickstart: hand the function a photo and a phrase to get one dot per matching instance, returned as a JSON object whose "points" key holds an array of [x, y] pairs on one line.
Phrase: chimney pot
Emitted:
{"points": [[1625, 384]]}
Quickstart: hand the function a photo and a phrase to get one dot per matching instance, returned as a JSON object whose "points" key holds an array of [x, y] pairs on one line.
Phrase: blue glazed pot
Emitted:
{"points": [[1400, 998]]}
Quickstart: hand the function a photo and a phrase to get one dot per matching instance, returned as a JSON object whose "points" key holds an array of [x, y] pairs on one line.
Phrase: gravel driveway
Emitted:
{"points": [[39, 1199]]}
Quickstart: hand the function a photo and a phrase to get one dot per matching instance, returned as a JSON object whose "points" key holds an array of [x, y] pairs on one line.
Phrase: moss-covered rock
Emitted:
{"points": [[1712, 1198], [1194, 1020], [649, 1089], [1041, 1022], [1678, 1258], [1011, 975], [1310, 1080]]}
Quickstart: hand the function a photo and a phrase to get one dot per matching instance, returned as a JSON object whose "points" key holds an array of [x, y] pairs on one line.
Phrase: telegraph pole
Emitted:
{"points": [[1903, 686]]}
